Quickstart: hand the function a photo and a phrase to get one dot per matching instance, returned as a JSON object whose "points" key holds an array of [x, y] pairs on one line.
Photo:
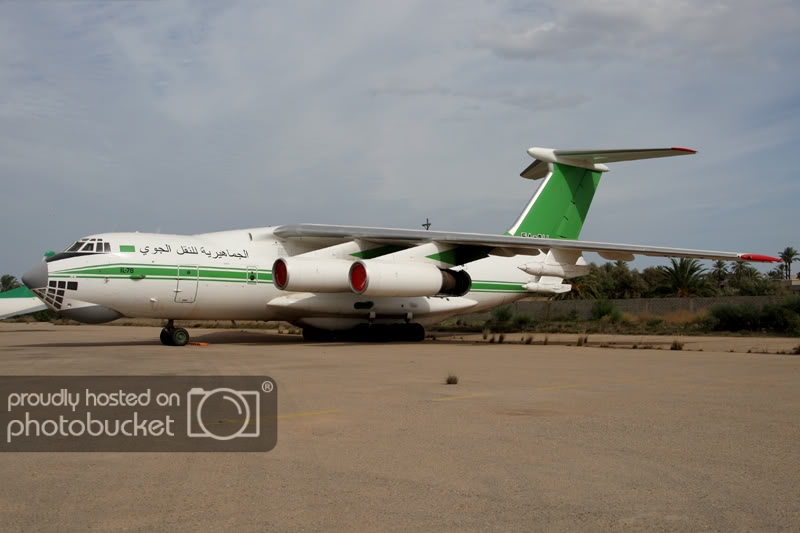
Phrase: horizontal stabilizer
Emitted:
{"points": [[593, 159]]}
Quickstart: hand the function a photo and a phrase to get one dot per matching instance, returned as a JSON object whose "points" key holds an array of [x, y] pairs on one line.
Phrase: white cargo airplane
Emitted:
{"points": [[343, 281]]}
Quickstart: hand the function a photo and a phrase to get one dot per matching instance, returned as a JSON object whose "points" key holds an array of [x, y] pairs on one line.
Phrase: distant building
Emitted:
{"points": [[792, 284]]}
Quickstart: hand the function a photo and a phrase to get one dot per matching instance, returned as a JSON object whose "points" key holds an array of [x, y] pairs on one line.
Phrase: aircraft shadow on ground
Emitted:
{"points": [[221, 337], [257, 338]]}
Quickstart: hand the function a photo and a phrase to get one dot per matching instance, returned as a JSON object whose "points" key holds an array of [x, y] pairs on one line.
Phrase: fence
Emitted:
{"points": [[547, 310]]}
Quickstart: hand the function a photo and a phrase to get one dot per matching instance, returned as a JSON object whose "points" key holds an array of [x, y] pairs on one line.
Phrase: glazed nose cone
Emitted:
{"points": [[36, 277]]}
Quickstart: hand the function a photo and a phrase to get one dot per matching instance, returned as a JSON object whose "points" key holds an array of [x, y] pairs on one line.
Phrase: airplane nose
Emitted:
{"points": [[36, 277]]}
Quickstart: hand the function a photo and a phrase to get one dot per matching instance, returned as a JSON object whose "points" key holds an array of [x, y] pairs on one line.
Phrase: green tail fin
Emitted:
{"points": [[559, 207]]}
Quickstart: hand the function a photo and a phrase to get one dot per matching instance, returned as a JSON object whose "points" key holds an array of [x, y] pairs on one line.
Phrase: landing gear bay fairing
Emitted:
{"points": [[343, 281]]}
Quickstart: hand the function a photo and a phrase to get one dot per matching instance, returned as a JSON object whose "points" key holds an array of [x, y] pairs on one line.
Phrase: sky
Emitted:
{"points": [[187, 116]]}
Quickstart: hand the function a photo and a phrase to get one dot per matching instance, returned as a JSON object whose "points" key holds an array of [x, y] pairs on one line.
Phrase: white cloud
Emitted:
{"points": [[195, 116], [674, 31]]}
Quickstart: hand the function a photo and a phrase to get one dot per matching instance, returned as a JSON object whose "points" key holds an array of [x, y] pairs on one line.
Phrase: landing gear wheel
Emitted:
{"points": [[179, 337], [317, 335], [166, 337], [416, 333]]}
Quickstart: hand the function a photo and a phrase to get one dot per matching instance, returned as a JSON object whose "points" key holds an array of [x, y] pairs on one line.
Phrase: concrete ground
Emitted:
{"points": [[533, 438]]}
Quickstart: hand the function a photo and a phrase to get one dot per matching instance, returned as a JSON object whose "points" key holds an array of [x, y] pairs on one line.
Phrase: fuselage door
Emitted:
{"points": [[188, 279]]}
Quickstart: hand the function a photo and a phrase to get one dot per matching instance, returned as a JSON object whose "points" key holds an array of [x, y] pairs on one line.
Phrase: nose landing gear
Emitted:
{"points": [[172, 336]]}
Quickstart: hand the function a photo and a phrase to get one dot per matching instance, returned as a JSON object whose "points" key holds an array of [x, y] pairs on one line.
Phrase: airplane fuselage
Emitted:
{"points": [[228, 276]]}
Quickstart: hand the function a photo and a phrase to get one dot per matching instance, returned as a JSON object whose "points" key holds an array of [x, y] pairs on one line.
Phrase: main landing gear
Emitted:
{"points": [[172, 336], [368, 333]]}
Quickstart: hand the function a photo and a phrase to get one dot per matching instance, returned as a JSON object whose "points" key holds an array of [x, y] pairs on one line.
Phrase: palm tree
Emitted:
{"points": [[789, 255], [583, 288], [719, 271], [778, 273], [8, 282], [742, 270], [685, 277]]}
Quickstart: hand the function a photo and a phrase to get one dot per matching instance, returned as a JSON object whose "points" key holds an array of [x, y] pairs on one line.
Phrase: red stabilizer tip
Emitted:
{"points": [[759, 257], [678, 148]]}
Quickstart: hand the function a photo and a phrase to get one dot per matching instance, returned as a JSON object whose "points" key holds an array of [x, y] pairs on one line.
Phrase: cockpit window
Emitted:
{"points": [[84, 246]]}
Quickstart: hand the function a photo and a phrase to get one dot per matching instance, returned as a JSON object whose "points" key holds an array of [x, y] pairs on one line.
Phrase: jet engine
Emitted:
{"points": [[311, 275], [407, 279]]}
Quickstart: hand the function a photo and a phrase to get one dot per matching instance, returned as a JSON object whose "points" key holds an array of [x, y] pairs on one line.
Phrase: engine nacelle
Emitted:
{"points": [[557, 271], [311, 275], [407, 279]]}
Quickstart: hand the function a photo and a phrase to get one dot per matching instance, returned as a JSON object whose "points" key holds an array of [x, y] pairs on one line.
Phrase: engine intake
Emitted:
{"points": [[407, 279]]}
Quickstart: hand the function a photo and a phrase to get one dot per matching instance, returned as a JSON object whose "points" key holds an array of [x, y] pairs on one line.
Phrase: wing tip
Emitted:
{"points": [[760, 258], [682, 149]]}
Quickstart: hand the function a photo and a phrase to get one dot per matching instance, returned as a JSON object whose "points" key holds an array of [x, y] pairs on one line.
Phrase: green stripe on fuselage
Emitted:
{"points": [[213, 274], [497, 286], [122, 270]]}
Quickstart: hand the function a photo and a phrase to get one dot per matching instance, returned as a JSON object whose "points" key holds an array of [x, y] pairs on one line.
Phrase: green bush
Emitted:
{"points": [[780, 319], [570, 316], [792, 304], [601, 308], [655, 322], [728, 317], [45, 315], [522, 320], [502, 314]]}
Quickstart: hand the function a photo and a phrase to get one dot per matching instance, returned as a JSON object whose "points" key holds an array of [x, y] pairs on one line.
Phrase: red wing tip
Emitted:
{"points": [[759, 257], [680, 149]]}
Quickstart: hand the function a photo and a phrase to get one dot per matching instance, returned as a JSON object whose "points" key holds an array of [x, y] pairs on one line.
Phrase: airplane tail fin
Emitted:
{"points": [[559, 206]]}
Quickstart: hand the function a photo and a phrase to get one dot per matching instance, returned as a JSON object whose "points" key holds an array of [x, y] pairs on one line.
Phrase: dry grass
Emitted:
{"points": [[644, 317], [682, 318]]}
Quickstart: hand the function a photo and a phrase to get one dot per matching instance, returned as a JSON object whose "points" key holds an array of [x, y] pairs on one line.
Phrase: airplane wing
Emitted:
{"points": [[502, 245], [19, 301]]}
